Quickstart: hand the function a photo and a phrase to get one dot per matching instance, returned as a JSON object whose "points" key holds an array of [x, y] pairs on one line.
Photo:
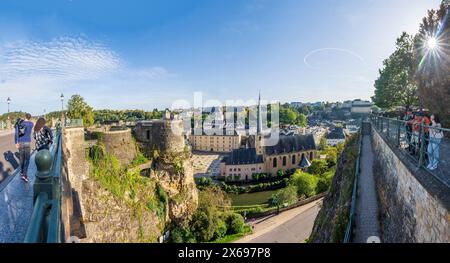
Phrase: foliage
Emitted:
{"points": [[110, 116], [253, 188], [12, 116], [318, 167], [213, 219], [396, 86], [79, 109], [181, 235], [433, 66], [286, 195], [290, 115], [331, 153], [235, 223], [305, 183]]}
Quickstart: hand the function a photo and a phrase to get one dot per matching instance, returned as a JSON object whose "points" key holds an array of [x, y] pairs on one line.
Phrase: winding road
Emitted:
{"points": [[292, 226]]}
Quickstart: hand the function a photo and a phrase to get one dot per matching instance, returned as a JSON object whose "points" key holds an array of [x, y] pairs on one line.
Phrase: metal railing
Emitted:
{"points": [[427, 147], [351, 220], [45, 222]]}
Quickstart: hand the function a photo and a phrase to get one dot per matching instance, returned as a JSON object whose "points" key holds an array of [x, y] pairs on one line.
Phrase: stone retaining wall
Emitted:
{"points": [[414, 207]]}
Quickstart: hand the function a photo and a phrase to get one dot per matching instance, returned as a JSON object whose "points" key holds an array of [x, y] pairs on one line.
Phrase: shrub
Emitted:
{"points": [[235, 223], [305, 183], [286, 195], [181, 235], [318, 167], [221, 229]]}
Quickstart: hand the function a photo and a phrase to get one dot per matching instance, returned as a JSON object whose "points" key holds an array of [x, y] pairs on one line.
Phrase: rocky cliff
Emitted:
{"points": [[332, 219], [119, 202], [175, 174]]}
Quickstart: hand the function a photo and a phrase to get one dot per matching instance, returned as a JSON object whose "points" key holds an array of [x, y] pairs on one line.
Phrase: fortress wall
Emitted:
{"points": [[159, 135], [74, 170], [120, 143], [414, 206]]}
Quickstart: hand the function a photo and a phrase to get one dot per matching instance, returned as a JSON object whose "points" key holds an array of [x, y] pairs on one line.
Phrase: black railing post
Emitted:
{"points": [[422, 145]]}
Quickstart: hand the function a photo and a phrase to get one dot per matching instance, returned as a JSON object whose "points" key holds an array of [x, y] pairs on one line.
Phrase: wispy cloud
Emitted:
{"points": [[34, 73], [61, 58]]}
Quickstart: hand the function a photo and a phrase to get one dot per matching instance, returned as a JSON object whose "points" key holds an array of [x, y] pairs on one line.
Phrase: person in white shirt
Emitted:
{"points": [[436, 136]]}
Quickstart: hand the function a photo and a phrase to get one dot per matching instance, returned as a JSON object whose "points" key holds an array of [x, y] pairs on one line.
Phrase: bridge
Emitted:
{"points": [[412, 202]]}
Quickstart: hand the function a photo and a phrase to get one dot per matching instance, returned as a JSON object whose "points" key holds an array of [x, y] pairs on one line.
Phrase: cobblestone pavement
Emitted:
{"points": [[8, 152], [206, 164], [16, 206], [366, 219]]}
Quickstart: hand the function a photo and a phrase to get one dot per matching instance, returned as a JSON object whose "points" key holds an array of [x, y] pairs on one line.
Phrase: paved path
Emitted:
{"points": [[16, 205], [8, 159], [366, 219], [292, 226]]}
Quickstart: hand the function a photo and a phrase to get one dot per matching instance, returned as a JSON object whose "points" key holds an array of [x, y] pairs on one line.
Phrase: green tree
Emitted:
{"points": [[305, 183], [235, 223], [287, 195], [432, 73], [396, 86], [318, 167], [79, 109]]}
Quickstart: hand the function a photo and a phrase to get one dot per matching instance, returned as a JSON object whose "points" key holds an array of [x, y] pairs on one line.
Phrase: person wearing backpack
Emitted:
{"points": [[22, 138], [43, 135]]}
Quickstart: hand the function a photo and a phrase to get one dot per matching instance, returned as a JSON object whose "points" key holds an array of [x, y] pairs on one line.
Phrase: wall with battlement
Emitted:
{"points": [[160, 135], [120, 143], [414, 207]]}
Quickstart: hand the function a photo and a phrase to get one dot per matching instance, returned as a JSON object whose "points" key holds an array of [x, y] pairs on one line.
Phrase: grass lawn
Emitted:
{"points": [[231, 238], [250, 199]]}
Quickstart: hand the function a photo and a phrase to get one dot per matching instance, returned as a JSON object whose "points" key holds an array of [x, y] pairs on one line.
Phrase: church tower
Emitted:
{"points": [[259, 135]]}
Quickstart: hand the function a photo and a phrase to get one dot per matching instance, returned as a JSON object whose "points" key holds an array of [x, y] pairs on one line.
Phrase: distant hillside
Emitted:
{"points": [[332, 219]]}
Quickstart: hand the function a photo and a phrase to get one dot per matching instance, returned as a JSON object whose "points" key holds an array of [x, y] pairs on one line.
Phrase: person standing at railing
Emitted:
{"points": [[22, 138], [409, 118], [43, 135], [419, 120], [436, 136]]}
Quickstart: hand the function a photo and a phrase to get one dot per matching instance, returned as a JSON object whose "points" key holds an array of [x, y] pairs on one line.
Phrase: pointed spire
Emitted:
{"points": [[258, 117]]}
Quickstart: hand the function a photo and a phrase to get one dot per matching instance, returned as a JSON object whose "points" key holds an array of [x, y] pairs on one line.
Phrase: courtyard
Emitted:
{"points": [[206, 164]]}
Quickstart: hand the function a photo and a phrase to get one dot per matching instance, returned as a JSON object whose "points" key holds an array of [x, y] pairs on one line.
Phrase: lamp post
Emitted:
{"points": [[8, 100], [62, 109]]}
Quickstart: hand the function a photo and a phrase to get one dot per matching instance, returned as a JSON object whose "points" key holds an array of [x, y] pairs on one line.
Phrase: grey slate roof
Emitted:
{"points": [[243, 156], [337, 133], [304, 162], [292, 143]]}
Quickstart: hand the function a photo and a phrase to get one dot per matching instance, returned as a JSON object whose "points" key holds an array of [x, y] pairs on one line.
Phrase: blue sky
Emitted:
{"points": [[146, 54]]}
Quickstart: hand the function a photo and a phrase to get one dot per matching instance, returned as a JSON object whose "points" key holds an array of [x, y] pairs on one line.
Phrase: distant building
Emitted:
{"points": [[291, 152], [336, 136], [215, 143], [361, 107], [296, 104]]}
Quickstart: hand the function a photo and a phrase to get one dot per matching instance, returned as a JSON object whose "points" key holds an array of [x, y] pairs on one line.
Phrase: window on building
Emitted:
{"points": [[311, 156], [239, 169], [274, 162], [293, 159], [284, 160], [148, 134]]}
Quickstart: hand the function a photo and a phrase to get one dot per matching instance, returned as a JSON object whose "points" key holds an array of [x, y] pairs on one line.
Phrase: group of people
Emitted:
{"points": [[415, 124], [25, 130]]}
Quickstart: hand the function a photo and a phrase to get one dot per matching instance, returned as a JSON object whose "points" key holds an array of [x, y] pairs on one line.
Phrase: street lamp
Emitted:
{"points": [[62, 102], [62, 109], [8, 100]]}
